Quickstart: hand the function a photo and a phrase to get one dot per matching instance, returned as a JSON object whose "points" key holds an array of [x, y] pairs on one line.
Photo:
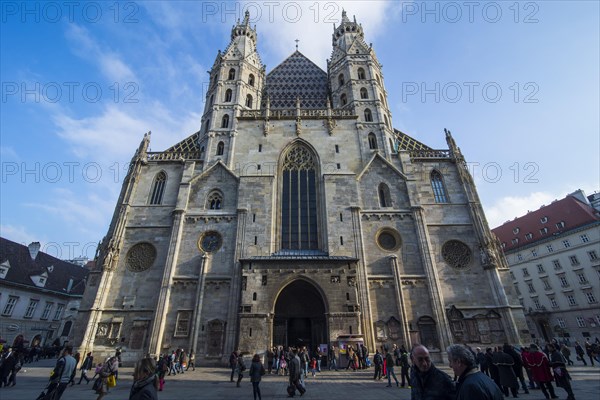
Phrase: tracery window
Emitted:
{"points": [[231, 75], [299, 200], [437, 184], [361, 73], [228, 95], [249, 101], [368, 115], [428, 332], [372, 141], [220, 148], [363, 93], [343, 99], [225, 121], [158, 188], [457, 254], [341, 79], [384, 195], [214, 200], [251, 80]]}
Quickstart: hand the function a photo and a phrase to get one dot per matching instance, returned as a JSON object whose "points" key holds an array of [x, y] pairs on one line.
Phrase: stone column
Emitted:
{"points": [[162, 307], [196, 321], [400, 300]]}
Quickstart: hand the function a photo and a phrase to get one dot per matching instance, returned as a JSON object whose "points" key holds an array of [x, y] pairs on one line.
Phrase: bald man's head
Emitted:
{"points": [[420, 358]]}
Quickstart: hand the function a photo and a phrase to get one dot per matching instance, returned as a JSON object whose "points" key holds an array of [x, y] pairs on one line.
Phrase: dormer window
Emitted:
{"points": [[544, 231], [544, 219], [560, 225], [529, 236], [516, 231], [515, 241]]}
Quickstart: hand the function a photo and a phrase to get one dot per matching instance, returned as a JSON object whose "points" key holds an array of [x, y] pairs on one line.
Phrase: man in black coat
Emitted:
{"points": [[428, 382]]}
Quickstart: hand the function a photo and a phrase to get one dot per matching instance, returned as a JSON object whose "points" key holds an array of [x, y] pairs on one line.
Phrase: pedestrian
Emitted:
{"points": [[404, 367], [481, 360], [295, 374], [64, 369], [240, 368], [378, 362], [232, 363], [9, 360], [191, 361], [389, 360], [144, 381], [525, 356], [517, 366], [589, 350], [561, 375], [472, 384], [566, 353], [270, 357], [580, 353], [162, 368], [541, 373], [87, 364], [313, 366], [506, 374], [77, 357], [102, 385], [427, 382], [97, 370], [333, 355], [257, 370]]}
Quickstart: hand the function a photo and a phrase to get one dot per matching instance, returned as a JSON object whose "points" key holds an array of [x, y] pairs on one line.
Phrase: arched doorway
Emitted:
{"points": [[300, 316]]}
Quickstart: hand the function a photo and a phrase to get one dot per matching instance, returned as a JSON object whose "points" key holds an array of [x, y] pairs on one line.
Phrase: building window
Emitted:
{"points": [[529, 236], [543, 231], [515, 241], [182, 326], [47, 310], [299, 200], [543, 220], [534, 253], [553, 302], [225, 121], [31, 308], [563, 281], [231, 75], [337, 148], [571, 299], [566, 243], [591, 299], [341, 79], [10, 305], [263, 281], [540, 268], [531, 288], [249, 101], [582, 279], [439, 190], [574, 260], [384, 195], [561, 322], [546, 284], [212, 100], [537, 304], [550, 248], [361, 74], [59, 310], [580, 322], [251, 80], [158, 188], [560, 225], [517, 290], [368, 115], [220, 148], [593, 255], [228, 95], [207, 127], [387, 121], [363, 93], [584, 238], [557, 265], [214, 200], [519, 257], [372, 141], [512, 275], [525, 272], [516, 231], [343, 99]]}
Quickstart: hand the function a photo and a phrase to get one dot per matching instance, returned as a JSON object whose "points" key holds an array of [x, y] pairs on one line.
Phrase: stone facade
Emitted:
{"points": [[296, 215]]}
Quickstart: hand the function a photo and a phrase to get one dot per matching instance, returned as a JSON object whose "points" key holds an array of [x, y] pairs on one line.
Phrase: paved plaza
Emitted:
{"points": [[213, 383]]}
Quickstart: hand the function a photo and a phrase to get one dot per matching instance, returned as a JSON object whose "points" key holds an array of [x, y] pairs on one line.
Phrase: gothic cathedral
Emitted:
{"points": [[297, 215]]}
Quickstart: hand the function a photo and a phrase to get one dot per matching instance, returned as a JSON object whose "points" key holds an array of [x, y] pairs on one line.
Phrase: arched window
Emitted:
{"points": [[343, 99], [299, 200], [437, 184], [251, 80], [225, 121], [220, 148], [392, 147], [387, 122], [341, 79], [249, 101], [368, 115], [228, 95], [158, 188], [379, 79], [428, 332], [231, 75], [381, 99], [207, 127], [372, 141], [384, 195], [363, 93], [361, 74], [214, 201], [212, 99]]}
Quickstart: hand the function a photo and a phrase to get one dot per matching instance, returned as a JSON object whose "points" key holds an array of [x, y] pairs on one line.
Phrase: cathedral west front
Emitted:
{"points": [[297, 215]]}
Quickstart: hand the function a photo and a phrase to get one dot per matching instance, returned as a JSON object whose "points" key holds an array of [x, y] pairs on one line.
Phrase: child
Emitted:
{"points": [[313, 366]]}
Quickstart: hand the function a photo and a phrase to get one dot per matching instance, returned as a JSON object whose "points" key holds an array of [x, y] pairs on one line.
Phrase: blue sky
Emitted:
{"points": [[517, 83]]}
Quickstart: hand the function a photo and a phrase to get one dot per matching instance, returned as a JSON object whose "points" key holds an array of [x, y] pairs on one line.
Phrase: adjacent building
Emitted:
{"points": [[297, 215], [554, 257], [39, 294]]}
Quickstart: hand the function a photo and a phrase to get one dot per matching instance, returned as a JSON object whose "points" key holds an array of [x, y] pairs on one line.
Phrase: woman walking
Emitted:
{"points": [[539, 365], [561, 375], [240, 368], [257, 370], [88, 363], [145, 381]]}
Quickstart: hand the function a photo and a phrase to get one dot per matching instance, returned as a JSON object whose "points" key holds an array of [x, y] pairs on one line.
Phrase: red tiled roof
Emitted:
{"points": [[570, 211]]}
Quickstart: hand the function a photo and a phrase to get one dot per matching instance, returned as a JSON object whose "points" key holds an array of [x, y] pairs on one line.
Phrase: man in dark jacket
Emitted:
{"points": [[295, 372], [428, 382], [472, 384]]}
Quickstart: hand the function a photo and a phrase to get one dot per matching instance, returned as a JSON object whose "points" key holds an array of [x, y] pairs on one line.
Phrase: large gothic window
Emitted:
{"points": [[249, 101], [231, 75], [299, 200], [343, 99], [363, 93], [225, 121], [361, 73], [214, 201], [341, 79], [437, 184], [251, 80], [220, 148], [372, 141], [228, 95], [384, 195], [158, 188], [368, 115]]}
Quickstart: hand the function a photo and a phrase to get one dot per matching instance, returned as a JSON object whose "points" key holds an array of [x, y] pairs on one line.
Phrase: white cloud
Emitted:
{"points": [[18, 234]]}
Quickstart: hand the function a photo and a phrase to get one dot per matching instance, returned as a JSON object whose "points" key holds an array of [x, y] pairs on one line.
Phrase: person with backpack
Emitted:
{"points": [[65, 367], [378, 362]]}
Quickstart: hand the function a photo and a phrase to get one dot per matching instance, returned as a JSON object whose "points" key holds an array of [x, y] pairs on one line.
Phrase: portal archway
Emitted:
{"points": [[300, 316]]}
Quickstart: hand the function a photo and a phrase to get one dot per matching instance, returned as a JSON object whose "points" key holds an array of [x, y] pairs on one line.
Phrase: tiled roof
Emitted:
{"points": [[406, 142], [545, 223], [23, 267], [296, 77]]}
